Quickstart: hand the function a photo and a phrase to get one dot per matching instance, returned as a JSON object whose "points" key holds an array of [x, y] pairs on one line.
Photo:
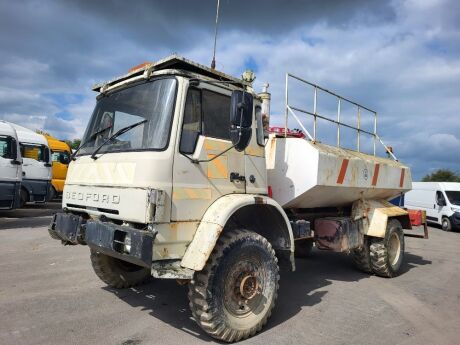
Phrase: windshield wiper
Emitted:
{"points": [[92, 136], [116, 134]]}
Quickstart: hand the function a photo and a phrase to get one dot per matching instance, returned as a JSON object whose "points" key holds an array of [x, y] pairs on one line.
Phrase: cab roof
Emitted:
{"points": [[26, 135], [6, 128], [56, 144], [175, 62]]}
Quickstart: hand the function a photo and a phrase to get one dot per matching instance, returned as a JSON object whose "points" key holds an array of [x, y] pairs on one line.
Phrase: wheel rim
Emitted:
{"points": [[444, 224], [243, 291], [394, 248]]}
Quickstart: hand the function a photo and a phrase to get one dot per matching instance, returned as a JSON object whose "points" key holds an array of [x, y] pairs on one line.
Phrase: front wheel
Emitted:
{"points": [[232, 297], [446, 224], [118, 273], [387, 253]]}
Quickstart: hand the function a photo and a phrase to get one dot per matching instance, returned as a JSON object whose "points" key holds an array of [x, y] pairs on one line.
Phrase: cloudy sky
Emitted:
{"points": [[401, 58]]}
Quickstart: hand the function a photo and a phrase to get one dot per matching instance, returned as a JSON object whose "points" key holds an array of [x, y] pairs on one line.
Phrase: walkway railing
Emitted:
{"points": [[291, 110]]}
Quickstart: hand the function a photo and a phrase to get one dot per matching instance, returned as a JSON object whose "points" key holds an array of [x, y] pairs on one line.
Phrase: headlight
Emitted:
{"points": [[455, 209]]}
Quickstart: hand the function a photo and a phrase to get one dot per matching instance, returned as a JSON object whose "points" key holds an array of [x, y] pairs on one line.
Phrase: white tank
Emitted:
{"points": [[303, 174]]}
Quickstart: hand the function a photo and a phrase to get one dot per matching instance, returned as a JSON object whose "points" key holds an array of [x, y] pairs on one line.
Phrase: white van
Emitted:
{"points": [[440, 200], [10, 167], [36, 167]]}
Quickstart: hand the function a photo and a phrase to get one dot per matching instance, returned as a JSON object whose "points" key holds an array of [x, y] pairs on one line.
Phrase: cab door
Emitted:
{"points": [[205, 168], [10, 166], [36, 161], [61, 160], [10, 171]]}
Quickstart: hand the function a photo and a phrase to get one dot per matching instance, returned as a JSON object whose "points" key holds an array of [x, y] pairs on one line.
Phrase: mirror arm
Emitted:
{"points": [[196, 161]]}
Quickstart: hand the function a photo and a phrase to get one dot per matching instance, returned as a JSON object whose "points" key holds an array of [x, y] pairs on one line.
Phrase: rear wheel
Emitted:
{"points": [[387, 253], [362, 257], [446, 224], [118, 273], [233, 296], [23, 197]]}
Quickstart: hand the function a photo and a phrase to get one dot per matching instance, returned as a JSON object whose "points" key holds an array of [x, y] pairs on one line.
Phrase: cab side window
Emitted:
{"points": [[206, 113], [440, 200], [6, 147], [216, 115]]}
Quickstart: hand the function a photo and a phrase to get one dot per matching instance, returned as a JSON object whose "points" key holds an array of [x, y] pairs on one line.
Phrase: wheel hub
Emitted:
{"points": [[243, 292], [249, 286]]}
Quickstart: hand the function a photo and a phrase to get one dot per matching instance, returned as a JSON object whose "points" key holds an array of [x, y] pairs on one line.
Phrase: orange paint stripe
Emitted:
{"points": [[401, 179], [343, 170], [376, 174]]}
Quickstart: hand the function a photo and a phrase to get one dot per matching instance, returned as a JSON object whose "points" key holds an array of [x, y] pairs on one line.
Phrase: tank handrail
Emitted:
{"points": [[290, 110]]}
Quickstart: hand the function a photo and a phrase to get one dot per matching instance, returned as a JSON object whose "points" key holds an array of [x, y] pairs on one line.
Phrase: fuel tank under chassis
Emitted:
{"points": [[303, 174]]}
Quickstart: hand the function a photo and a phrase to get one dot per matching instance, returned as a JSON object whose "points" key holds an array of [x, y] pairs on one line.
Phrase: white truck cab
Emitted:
{"points": [[36, 168], [440, 200], [10, 167]]}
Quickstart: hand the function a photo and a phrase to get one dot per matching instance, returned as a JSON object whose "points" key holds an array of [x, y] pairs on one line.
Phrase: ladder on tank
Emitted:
{"points": [[291, 110]]}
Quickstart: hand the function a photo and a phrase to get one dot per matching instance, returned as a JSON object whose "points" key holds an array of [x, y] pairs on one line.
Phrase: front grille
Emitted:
{"points": [[100, 209]]}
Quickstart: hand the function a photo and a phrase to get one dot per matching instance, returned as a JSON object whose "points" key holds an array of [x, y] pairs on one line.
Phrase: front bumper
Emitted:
{"points": [[122, 242]]}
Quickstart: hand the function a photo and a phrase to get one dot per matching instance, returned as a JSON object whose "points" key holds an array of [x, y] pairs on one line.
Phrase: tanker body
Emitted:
{"points": [[177, 178]]}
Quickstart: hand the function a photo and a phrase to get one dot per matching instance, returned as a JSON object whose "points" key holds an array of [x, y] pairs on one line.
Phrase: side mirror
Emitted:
{"points": [[241, 119], [14, 150], [47, 154], [64, 159], [241, 109]]}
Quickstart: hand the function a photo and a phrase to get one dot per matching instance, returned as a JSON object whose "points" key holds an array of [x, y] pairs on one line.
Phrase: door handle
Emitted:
{"points": [[234, 176]]}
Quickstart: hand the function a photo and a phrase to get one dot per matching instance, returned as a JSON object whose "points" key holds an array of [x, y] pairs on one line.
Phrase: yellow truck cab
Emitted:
{"points": [[60, 154]]}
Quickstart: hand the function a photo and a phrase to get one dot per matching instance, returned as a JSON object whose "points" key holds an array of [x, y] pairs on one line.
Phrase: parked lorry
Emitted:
{"points": [[36, 167], [440, 201], [178, 178], [10, 167], [60, 157]]}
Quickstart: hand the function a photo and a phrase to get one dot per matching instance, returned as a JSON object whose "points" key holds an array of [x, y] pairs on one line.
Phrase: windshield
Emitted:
{"points": [[151, 101], [454, 197]]}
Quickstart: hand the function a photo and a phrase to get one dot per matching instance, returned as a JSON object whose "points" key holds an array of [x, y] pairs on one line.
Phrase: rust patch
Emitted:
{"points": [[401, 179], [343, 170], [375, 176]]}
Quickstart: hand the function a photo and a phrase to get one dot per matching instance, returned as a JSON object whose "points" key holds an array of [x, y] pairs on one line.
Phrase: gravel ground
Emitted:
{"points": [[50, 295]]}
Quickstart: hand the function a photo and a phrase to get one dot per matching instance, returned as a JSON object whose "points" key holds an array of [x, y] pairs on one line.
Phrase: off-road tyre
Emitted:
{"points": [[446, 224], [233, 296], [303, 248], [117, 273], [23, 197], [362, 257], [387, 253], [53, 234]]}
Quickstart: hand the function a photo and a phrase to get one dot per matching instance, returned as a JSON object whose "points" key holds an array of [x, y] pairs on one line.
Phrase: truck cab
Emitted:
{"points": [[60, 156], [10, 167], [36, 168]]}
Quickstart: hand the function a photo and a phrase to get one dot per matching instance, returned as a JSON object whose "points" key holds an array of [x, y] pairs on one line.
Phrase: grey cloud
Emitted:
{"points": [[399, 57]]}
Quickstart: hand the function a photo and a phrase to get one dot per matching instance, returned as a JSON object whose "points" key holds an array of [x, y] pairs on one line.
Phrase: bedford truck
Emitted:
{"points": [[178, 177]]}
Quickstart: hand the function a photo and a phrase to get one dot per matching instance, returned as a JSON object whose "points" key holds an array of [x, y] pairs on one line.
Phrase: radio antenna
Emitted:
{"points": [[213, 63]]}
